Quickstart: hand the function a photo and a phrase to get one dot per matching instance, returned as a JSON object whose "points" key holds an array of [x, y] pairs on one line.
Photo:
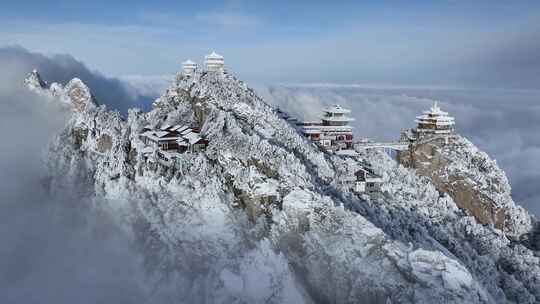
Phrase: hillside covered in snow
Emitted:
{"points": [[262, 215]]}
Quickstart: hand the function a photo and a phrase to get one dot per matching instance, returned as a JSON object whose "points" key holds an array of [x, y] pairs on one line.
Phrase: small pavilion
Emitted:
{"points": [[189, 67], [434, 122], [214, 62]]}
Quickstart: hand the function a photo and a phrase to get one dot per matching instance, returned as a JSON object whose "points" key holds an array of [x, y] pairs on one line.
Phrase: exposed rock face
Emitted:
{"points": [[104, 143], [79, 95], [472, 179], [263, 216]]}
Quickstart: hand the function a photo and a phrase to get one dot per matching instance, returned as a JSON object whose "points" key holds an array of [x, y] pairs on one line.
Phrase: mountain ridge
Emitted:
{"points": [[413, 245]]}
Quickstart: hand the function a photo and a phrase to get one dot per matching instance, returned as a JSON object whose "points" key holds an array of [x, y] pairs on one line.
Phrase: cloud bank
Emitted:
{"points": [[114, 93], [54, 250]]}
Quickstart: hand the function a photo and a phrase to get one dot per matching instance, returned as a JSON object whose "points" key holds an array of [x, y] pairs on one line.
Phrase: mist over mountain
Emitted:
{"points": [[55, 247], [270, 152], [115, 93], [260, 215]]}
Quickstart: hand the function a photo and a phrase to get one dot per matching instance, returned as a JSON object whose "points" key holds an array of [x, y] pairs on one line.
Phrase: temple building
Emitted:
{"points": [[189, 67], [332, 131], [433, 125], [367, 181], [214, 62], [336, 116], [435, 128], [363, 180], [434, 122], [169, 142]]}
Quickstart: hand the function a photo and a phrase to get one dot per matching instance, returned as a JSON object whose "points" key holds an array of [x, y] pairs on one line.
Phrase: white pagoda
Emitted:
{"points": [[189, 67], [434, 122], [333, 131], [214, 62], [336, 116]]}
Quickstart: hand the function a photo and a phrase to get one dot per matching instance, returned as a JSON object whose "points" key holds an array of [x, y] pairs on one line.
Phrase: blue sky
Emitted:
{"points": [[485, 43]]}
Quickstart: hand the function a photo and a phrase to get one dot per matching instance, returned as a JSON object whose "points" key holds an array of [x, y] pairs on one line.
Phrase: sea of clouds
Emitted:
{"points": [[503, 123]]}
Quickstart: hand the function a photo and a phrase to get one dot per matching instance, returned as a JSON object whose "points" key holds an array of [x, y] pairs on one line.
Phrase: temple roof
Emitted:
{"points": [[435, 116], [214, 55], [346, 128], [188, 62], [438, 123], [340, 118], [337, 109], [435, 110], [192, 138]]}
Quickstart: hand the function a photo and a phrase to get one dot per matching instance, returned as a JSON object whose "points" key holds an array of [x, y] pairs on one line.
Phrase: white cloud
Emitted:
{"points": [[146, 85]]}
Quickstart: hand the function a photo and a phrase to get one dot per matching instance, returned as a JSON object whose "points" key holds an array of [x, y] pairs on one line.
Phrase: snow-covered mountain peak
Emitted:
{"points": [[79, 94], [263, 204], [34, 82], [221, 89], [76, 94]]}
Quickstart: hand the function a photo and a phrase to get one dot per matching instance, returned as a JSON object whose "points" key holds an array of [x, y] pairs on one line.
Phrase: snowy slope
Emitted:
{"points": [[263, 216]]}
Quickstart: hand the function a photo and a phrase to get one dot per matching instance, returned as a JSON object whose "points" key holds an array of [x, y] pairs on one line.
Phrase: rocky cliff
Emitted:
{"points": [[472, 179], [264, 216]]}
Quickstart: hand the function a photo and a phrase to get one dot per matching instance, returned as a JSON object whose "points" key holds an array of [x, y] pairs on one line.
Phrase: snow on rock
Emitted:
{"points": [[426, 265], [413, 211], [264, 216], [34, 82], [466, 161], [79, 95], [473, 180], [257, 277], [345, 258], [75, 94]]}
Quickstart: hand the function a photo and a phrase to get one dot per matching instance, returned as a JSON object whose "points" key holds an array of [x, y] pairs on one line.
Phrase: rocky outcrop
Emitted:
{"points": [[79, 95], [472, 179], [34, 82], [75, 95]]}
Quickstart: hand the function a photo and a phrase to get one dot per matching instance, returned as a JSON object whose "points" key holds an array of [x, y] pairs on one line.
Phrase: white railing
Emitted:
{"points": [[400, 146]]}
